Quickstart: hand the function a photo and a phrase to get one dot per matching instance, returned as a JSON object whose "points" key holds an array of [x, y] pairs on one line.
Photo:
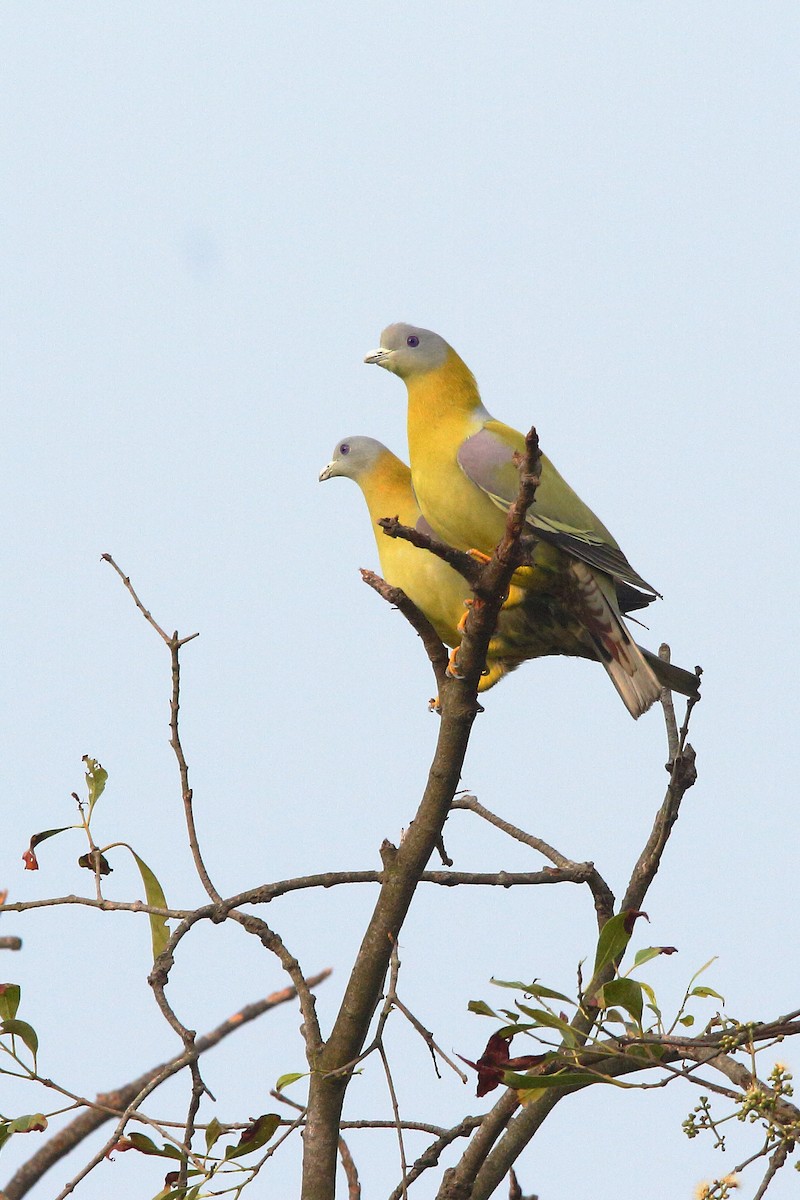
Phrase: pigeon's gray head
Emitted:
{"points": [[407, 350], [353, 457]]}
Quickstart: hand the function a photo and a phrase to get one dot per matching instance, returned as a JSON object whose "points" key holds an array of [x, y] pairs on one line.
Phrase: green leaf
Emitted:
{"points": [[159, 929], [287, 1080], [538, 1083], [613, 940], [480, 1009], [95, 782], [510, 1031], [624, 993], [32, 1123], [256, 1135], [706, 991], [146, 1145], [704, 967], [651, 996], [9, 1000], [533, 989], [540, 992], [548, 1020], [213, 1132], [643, 956], [687, 1020], [48, 833], [25, 1032]]}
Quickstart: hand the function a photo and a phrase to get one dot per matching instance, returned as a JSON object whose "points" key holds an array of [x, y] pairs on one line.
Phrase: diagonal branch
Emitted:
{"points": [[483, 1166], [404, 865], [465, 564], [603, 896], [112, 1104], [430, 638]]}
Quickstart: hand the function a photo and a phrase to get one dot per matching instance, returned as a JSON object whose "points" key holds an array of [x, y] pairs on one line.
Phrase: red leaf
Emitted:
{"points": [[29, 858], [94, 860], [494, 1061], [631, 917], [121, 1144]]}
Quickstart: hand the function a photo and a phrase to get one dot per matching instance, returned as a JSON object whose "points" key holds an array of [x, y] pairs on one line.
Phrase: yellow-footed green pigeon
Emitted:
{"points": [[531, 629], [465, 479]]}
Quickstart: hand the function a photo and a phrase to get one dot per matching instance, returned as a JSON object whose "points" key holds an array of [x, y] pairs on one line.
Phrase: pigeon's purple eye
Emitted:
{"points": [[344, 448], [413, 340]]}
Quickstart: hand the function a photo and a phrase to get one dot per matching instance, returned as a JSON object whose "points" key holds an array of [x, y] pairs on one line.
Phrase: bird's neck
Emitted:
{"points": [[447, 395], [387, 491]]}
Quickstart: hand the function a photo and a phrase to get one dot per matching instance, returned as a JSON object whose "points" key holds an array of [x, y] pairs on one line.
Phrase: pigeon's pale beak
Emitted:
{"points": [[326, 472], [377, 356]]}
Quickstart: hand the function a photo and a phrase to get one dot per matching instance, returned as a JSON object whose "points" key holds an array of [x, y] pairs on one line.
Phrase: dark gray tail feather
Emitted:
{"points": [[630, 599], [672, 677]]}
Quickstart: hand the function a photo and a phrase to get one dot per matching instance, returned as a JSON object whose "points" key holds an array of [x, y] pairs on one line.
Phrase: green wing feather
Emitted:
{"points": [[558, 514]]}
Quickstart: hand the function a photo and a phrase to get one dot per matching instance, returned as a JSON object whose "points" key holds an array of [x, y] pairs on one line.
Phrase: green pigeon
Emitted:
{"points": [[465, 479]]}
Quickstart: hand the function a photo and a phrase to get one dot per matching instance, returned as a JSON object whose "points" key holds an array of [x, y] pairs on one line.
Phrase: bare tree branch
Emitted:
{"points": [[482, 1169], [430, 639], [174, 644], [465, 564], [113, 1103], [603, 896]]}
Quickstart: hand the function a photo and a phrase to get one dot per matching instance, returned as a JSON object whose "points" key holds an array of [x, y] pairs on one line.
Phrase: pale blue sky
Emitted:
{"points": [[209, 213]]}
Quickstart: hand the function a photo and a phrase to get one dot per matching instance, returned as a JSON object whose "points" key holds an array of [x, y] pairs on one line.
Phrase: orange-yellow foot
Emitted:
{"points": [[522, 579], [452, 664], [475, 602]]}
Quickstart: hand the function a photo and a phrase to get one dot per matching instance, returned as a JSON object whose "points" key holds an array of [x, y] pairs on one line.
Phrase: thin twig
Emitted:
{"points": [[396, 1112], [430, 1157], [775, 1163], [457, 559], [668, 705], [683, 775], [112, 1104], [274, 943], [395, 596], [603, 896], [350, 1172], [148, 616], [483, 1167], [174, 644], [428, 1038]]}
